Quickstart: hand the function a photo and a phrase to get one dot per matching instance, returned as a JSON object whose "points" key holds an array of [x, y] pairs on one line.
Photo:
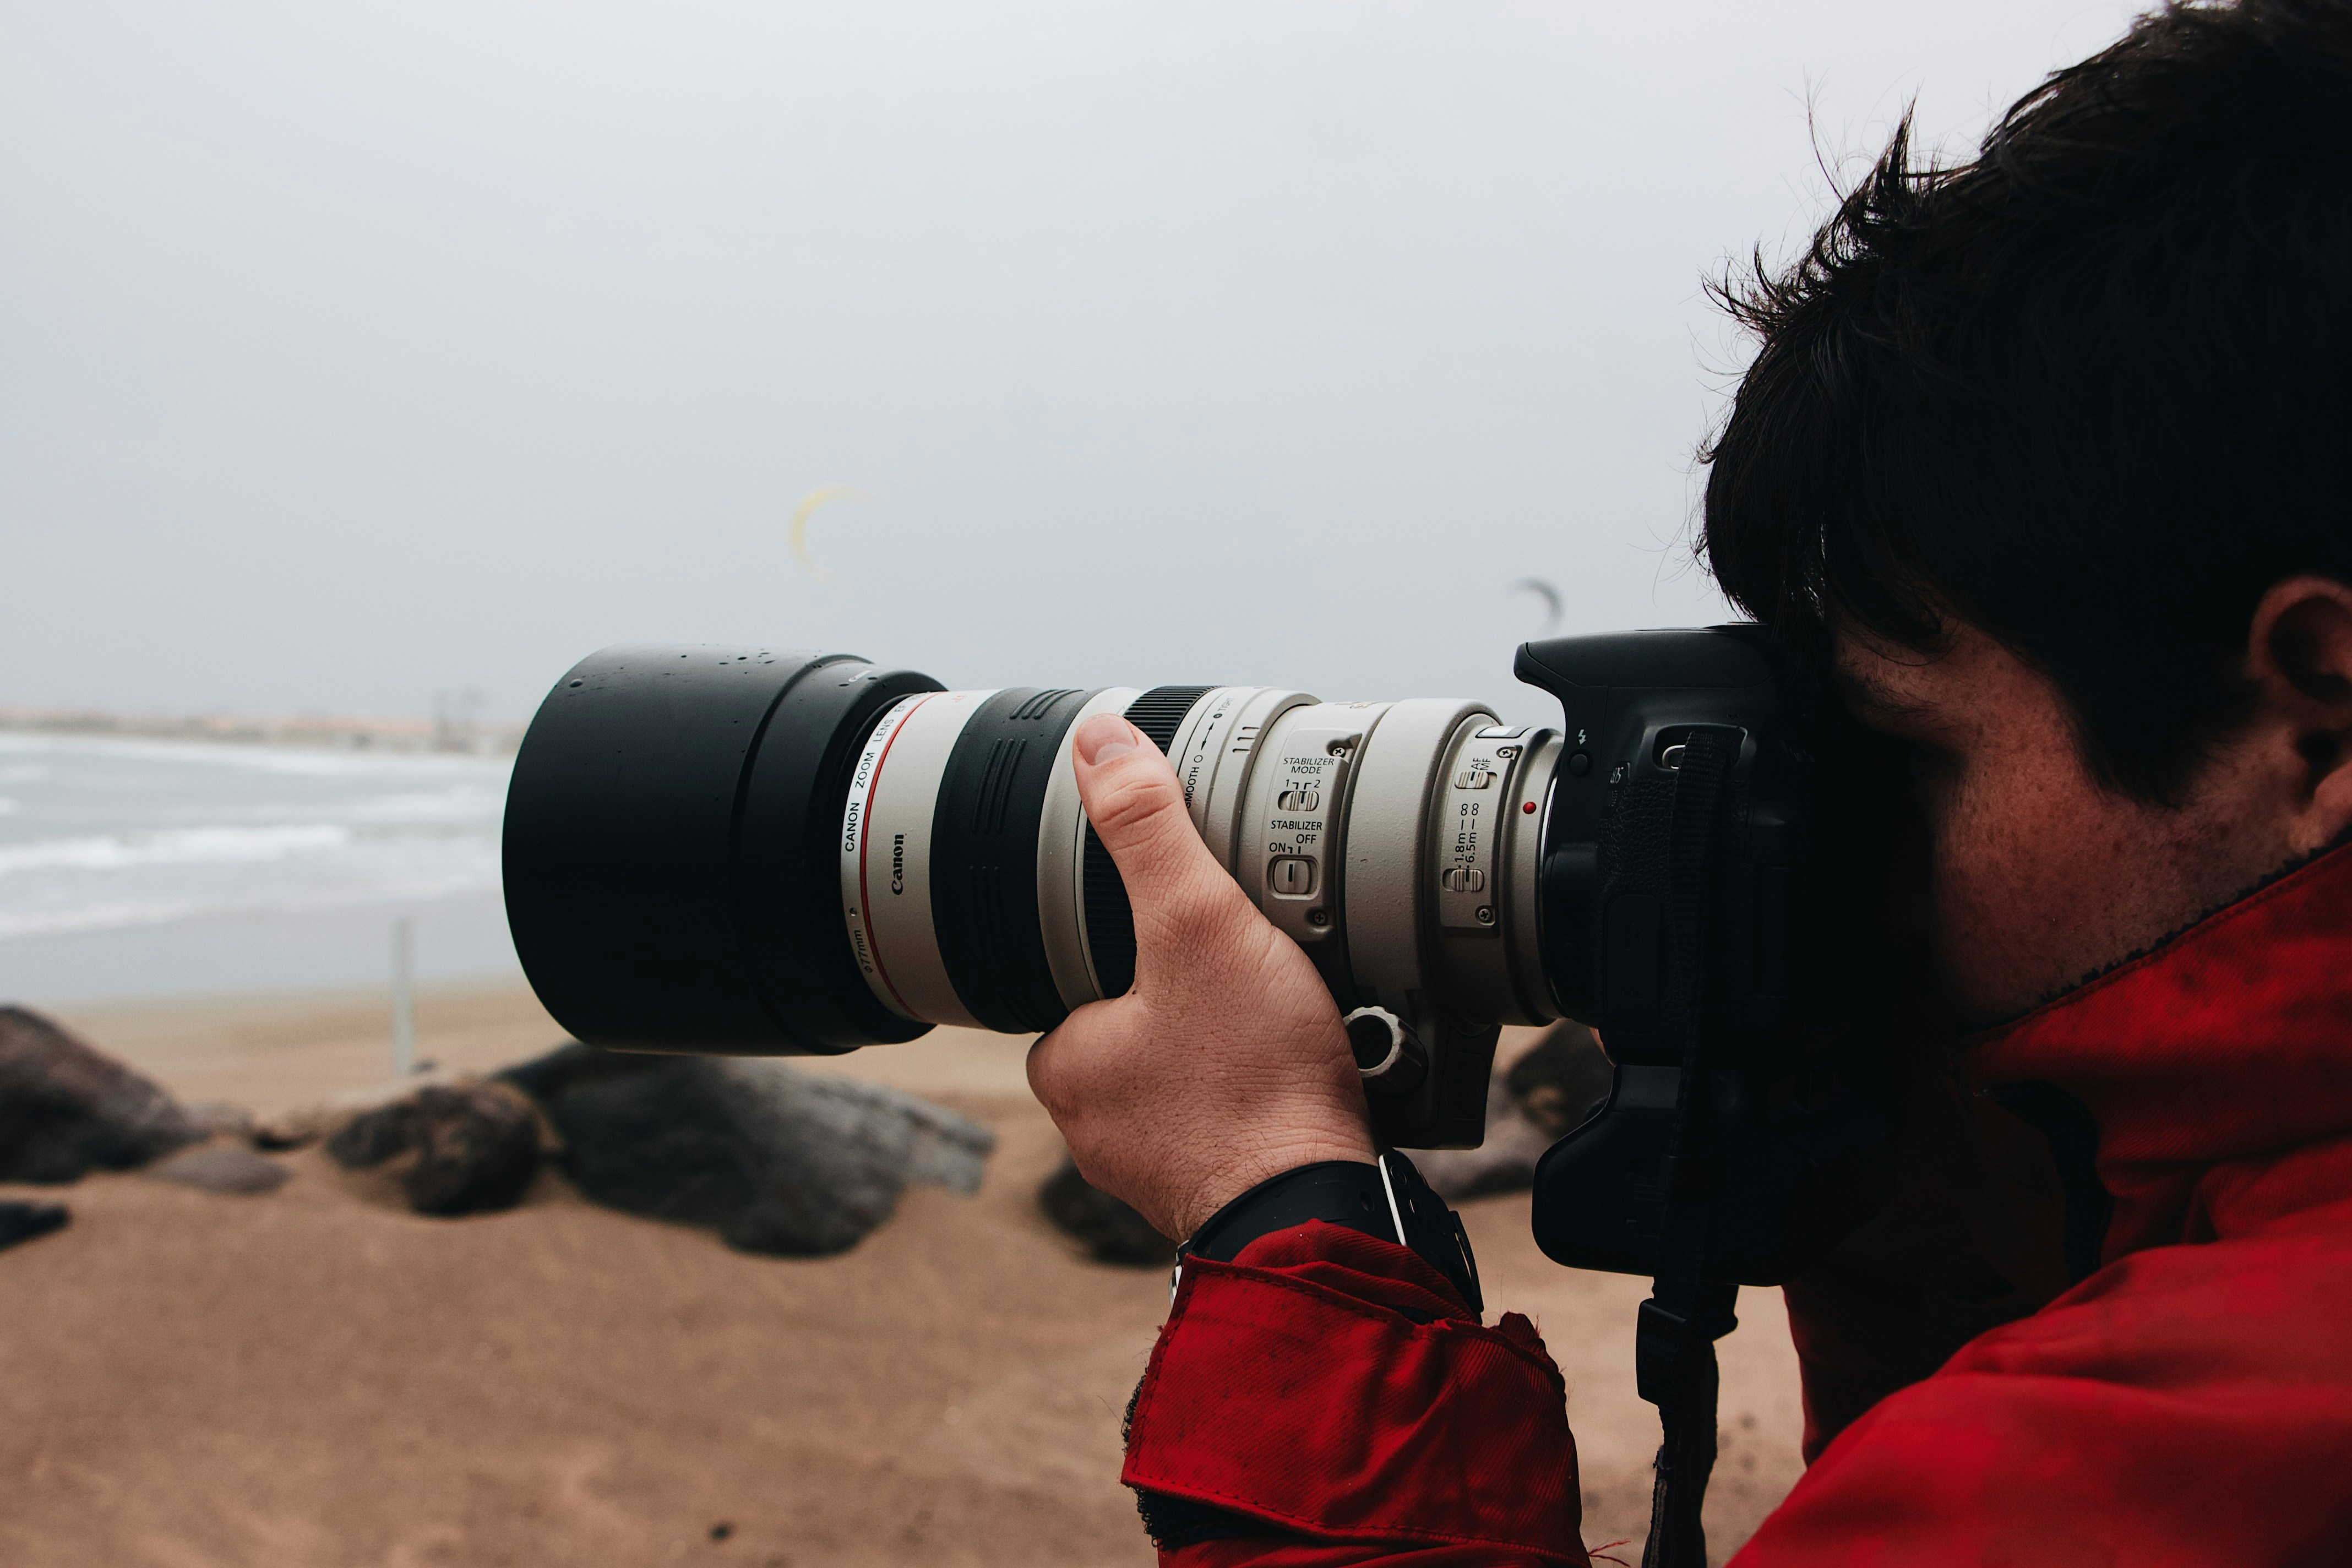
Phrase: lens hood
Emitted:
{"points": [[671, 849]]}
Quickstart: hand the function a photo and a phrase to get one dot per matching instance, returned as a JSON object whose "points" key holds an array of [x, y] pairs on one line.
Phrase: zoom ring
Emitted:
{"points": [[1111, 922]]}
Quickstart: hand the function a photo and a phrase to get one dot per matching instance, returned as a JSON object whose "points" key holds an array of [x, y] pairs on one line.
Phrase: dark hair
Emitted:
{"points": [[2091, 392]]}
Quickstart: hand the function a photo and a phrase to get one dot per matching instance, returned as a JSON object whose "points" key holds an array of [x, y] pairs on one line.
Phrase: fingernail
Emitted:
{"points": [[1106, 736]]}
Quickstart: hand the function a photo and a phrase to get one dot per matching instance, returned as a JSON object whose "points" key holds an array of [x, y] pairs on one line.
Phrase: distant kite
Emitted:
{"points": [[806, 510], [1547, 594]]}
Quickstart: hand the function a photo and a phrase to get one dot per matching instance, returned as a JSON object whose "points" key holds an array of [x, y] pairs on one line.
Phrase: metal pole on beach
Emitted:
{"points": [[404, 997]]}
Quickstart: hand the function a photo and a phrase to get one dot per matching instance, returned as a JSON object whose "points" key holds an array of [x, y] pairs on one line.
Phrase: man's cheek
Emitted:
{"points": [[1993, 891]]}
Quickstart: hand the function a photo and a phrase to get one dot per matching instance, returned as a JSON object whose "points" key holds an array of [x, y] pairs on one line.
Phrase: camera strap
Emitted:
{"points": [[1675, 1345]]}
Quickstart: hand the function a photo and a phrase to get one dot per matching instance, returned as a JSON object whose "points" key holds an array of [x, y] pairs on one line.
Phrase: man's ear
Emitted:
{"points": [[2299, 656]]}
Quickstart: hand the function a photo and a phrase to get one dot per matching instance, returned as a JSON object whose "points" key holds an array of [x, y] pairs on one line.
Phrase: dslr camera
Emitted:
{"points": [[745, 850]]}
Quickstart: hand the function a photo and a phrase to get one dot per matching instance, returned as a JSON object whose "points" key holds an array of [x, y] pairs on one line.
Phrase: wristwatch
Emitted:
{"points": [[1387, 1199]]}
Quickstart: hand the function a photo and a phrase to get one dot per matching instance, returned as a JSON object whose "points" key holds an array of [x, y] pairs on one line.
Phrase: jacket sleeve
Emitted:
{"points": [[1326, 1399]]}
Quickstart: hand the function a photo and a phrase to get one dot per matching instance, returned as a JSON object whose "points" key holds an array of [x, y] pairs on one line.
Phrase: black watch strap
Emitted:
{"points": [[1387, 1199]]}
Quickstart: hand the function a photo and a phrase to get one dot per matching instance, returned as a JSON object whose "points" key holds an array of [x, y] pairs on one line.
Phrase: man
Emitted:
{"points": [[2043, 461]]}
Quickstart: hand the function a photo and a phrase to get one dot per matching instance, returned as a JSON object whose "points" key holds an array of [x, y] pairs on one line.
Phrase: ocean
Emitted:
{"points": [[131, 867]]}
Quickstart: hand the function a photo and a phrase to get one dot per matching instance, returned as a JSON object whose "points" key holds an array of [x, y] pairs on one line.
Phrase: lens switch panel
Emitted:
{"points": [[1470, 828], [1296, 823]]}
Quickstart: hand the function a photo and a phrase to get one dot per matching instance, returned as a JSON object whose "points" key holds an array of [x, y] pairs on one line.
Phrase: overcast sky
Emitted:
{"points": [[352, 352]]}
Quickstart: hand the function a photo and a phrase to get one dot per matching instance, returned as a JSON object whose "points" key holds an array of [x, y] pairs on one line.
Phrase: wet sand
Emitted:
{"points": [[319, 1378]]}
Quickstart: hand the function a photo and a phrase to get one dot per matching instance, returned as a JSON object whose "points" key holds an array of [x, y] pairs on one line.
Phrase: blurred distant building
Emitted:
{"points": [[454, 727]]}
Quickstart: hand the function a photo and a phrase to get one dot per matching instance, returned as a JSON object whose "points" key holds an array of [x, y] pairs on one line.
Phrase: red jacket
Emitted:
{"points": [[1325, 1400]]}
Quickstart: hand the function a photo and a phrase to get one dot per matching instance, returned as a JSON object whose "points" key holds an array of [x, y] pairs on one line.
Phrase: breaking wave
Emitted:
{"points": [[108, 833]]}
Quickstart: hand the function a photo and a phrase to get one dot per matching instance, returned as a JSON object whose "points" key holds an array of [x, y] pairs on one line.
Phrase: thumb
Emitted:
{"points": [[1137, 807]]}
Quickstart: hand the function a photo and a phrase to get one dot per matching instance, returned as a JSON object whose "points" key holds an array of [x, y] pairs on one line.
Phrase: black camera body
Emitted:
{"points": [[1712, 887]]}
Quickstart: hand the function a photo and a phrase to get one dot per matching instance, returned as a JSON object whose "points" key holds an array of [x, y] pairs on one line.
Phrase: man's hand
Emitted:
{"points": [[1226, 1064]]}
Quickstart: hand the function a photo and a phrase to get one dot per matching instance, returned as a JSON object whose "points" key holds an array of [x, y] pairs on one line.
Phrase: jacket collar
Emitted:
{"points": [[2218, 1067]]}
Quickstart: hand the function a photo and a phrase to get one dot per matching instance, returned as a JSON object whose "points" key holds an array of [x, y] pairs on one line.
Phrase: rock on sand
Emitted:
{"points": [[227, 1168], [66, 1108], [463, 1149], [1110, 1230], [782, 1162], [23, 1222]]}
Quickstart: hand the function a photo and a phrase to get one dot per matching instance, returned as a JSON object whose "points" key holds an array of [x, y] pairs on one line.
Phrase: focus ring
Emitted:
{"points": [[1111, 922], [985, 904]]}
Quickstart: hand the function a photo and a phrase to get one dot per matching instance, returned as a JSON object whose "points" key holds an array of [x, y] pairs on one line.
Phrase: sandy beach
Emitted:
{"points": [[319, 1378]]}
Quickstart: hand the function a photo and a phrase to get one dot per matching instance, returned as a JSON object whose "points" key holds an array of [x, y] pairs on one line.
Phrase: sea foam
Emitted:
{"points": [[112, 833]]}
